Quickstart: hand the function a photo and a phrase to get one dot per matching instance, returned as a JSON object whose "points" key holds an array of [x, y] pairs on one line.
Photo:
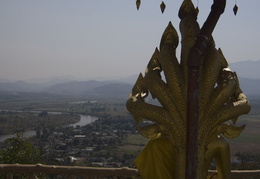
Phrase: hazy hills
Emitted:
{"points": [[249, 77], [88, 88], [247, 69], [92, 88]]}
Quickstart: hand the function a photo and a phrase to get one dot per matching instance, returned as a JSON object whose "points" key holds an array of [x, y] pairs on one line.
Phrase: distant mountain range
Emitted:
{"points": [[248, 72], [88, 88]]}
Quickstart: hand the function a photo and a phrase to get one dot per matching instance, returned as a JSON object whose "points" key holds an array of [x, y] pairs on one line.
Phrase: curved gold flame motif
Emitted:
{"points": [[220, 100]]}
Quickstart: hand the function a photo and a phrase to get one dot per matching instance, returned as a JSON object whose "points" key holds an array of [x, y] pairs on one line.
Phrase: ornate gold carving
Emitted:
{"points": [[220, 100]]}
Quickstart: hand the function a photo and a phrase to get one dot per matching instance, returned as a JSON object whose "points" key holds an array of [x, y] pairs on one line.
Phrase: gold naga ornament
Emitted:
{"points": [[220, 100]]}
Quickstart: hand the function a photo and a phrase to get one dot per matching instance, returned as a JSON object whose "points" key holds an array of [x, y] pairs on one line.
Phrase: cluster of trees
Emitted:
{"points": [[19, 150]]}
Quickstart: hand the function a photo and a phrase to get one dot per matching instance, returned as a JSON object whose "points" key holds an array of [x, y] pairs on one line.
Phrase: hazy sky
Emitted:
{"points": [[106, 38]]}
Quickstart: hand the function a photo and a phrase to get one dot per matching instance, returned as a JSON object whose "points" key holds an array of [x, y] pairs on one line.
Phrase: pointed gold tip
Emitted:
{"points": [[187, 9], [169, 37]]}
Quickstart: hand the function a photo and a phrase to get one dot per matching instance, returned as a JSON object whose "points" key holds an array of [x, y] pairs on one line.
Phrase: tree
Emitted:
{"points": [[19, 150]]}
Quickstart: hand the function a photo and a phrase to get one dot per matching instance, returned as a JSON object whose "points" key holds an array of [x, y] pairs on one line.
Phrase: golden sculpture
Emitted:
{"points": [[220, 100]]}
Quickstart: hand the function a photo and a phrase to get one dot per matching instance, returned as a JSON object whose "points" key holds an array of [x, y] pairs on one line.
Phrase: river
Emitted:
{"points": [[84, 120]]}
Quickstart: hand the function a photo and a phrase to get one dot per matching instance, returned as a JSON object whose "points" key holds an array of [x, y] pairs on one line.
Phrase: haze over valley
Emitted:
{"points": [[248, 73]]}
